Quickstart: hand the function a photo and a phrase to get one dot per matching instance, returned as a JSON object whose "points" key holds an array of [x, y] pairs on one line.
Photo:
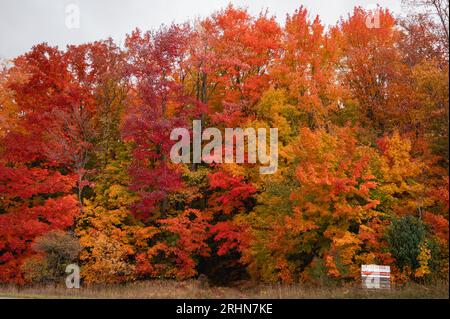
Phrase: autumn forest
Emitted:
{"points": [[362, 118]]}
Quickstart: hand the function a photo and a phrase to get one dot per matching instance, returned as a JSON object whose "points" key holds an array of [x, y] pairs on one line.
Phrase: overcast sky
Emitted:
{"points": [[24, 23]]}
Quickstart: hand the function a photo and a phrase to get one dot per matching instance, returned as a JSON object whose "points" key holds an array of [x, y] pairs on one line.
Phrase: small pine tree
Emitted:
{"points": [[404, 237]]}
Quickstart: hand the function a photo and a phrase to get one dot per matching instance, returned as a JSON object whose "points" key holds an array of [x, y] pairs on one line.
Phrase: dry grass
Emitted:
{"points": [[192, 289]]}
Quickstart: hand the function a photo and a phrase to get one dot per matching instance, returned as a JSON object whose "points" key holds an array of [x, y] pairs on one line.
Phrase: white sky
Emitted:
{"points": [[24, 23]]}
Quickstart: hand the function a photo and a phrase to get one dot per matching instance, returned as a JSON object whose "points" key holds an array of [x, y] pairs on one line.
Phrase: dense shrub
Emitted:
{"points": [[404, 236], [55, 250]]}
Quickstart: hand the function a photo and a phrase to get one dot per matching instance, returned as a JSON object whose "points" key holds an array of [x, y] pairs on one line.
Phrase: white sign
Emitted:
{"points": [[376, 276]]}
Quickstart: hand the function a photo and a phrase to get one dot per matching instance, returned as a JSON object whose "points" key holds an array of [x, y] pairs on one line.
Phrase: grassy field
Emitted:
{"points": [[194, 289]]}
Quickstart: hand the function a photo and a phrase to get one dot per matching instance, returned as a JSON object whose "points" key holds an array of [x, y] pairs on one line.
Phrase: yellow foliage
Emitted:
{"points": [[400, 175], [423, 259], [106, 259]]}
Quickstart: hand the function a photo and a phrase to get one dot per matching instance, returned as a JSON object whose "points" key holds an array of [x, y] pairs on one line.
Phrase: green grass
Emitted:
{"points": [[192, 289]]}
